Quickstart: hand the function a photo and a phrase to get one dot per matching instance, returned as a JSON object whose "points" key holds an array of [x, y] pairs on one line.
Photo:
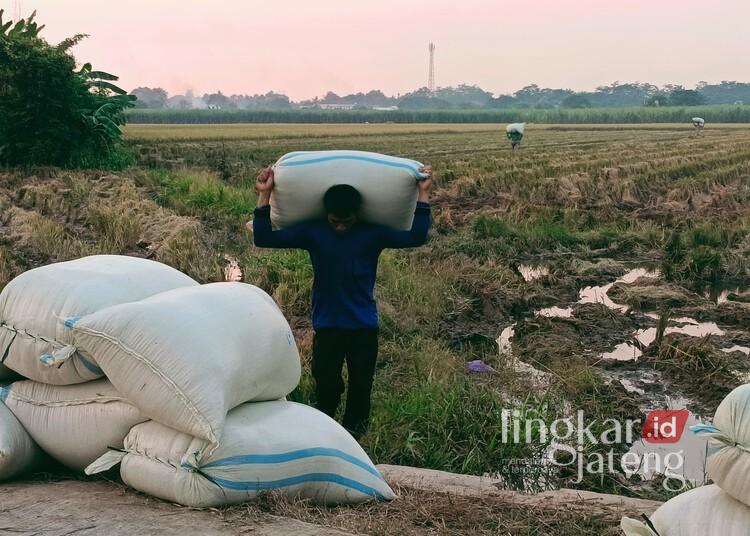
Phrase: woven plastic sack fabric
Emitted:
{"points": [[187, 356], [18, 452], [33, 339], [75, 424], [728, 462], [277, 445], [387, 185], [704, 511]]}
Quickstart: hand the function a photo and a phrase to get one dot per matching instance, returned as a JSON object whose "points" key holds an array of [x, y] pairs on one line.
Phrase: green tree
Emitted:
{"points": [[150, 98], [660, 98], [53, 113], [576, 100], [686, 97]]}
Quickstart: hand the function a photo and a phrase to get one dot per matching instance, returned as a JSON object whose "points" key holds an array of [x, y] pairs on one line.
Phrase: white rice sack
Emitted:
{"points": [[277, 445], [704, 511], [34, 341], [387, 185], [75, 424], [187, 356], [698, 121], [728, 462], [516, 127], [18, 452]]}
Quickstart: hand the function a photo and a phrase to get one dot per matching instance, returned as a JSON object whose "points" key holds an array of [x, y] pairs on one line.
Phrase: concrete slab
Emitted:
{"points": [[82, 508], [587, 502]]}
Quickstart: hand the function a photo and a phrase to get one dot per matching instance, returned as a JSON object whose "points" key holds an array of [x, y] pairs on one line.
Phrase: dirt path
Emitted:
{"points": [[92, 508], [430, 502]]}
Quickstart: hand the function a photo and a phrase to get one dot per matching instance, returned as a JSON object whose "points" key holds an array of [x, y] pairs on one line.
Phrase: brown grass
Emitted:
{"points": [[67, 215], [418, 513]]}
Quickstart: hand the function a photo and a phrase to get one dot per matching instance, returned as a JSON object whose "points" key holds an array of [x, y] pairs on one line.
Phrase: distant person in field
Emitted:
{"points": [[698, 124], [344, 251], [514, 131]]}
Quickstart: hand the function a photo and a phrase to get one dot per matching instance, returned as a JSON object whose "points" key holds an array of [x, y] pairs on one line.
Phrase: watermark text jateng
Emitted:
{"points": [[591, 447]]}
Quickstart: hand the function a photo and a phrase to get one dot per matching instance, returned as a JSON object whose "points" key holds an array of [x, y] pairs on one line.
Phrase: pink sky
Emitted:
{"points": [[306, 47]]}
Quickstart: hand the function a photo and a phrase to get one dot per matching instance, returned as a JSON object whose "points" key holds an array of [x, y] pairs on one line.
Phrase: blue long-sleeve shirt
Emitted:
{"points": [[344, 265]]}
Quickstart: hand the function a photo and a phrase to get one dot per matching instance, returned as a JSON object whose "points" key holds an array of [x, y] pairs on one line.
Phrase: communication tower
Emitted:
{"points": [[431, 76]]}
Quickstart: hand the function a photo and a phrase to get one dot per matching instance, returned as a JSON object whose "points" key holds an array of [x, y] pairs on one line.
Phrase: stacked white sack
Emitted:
{"points": [[516, 127], [704, 511], [75, 424], [275, 445], [187, 356], [18, 452], [33, 340], [387, 184], [728, 462]]}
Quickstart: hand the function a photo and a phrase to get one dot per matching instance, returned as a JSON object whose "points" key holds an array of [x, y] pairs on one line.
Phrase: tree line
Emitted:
{"points": [[464, 97]]}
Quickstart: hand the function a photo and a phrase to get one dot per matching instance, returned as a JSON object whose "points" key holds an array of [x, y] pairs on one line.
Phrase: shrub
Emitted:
{"points": [[53, 114]]}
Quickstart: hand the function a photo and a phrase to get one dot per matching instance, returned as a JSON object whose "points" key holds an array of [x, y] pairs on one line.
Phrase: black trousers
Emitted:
{"points": [[331, 347]]}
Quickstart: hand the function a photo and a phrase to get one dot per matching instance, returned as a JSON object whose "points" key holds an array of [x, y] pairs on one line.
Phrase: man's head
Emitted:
{"points": [[342, 203]]}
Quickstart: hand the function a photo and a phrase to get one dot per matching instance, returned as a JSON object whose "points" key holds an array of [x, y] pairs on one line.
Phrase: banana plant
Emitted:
{"points": [[106, 120], [22, 28]]}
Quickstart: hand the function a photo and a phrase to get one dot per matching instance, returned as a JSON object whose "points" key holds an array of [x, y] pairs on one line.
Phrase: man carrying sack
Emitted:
{"points": [[344, 251]]}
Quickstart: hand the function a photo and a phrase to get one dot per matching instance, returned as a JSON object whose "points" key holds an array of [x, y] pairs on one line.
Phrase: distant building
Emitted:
{"points": [[337, 106], [385, 108]]}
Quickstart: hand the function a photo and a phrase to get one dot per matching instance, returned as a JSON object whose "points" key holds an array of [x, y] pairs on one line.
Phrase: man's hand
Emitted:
{"points": [[425, 184], [264, 180], [264, 184]]}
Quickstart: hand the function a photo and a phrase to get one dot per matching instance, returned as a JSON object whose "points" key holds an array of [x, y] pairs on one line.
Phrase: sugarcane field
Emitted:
{"points": [[231, 309]]}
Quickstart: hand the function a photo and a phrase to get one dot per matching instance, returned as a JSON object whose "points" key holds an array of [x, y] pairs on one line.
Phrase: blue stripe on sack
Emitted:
{"points": [[260, 485], [704, 429], [89, 365], [413, 169], [290, 456], [293, 455], [70, 322], [292, 155], [4, 392], [46, 358]]}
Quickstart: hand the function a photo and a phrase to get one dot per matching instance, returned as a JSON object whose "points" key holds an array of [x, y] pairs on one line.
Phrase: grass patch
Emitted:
{"points": [[201, 193]]}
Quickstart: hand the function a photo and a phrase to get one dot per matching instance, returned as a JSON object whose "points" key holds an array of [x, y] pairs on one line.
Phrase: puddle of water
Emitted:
{"points": [[628, 352], [598, 294], [645, 336], [232, 272], [529, 273], [698, 329], [623, 352], [719, 294], [685, 320], [505, 347], [631, 387], [555, 312], [737, 348], [633, 275]]}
